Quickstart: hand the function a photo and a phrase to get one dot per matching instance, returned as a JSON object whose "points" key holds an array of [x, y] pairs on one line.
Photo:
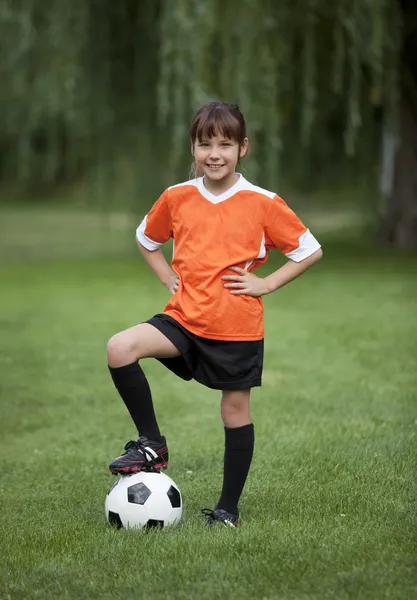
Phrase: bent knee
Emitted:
{"points": [[118, 350]]}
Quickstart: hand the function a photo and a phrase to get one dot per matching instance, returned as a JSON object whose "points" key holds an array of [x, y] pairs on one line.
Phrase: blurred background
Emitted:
{"points": [[96, 98]]}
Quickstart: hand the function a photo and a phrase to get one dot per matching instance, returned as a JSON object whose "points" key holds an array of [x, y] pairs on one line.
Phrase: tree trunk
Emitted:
{"points": [[398, 182], [399, 223]]}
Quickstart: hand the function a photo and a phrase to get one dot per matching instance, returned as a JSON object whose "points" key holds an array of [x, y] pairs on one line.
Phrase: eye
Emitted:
{"points": [[203, 144], [226, 144]]}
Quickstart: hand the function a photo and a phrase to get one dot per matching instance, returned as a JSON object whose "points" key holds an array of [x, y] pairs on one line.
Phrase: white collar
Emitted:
{"points": [[239, 185]]}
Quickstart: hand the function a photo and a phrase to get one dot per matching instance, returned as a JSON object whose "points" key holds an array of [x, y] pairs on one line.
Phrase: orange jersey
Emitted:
{"points": [[212, 233]]}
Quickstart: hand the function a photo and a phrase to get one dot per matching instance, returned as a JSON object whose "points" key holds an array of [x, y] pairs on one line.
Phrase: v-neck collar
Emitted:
{"points": [[239, 185]]}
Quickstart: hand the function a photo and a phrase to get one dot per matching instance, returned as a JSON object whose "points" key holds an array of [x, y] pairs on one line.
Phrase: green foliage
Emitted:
{"points": [[90, 86], [275, 62], [78, 81]]}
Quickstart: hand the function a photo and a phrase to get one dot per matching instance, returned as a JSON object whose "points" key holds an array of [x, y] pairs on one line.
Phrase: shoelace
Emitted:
{"points": [[136, 444], [209, 515]]}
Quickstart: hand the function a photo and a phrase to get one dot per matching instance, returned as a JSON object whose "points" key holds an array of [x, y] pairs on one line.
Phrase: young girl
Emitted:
{"points": [[212, 327]]}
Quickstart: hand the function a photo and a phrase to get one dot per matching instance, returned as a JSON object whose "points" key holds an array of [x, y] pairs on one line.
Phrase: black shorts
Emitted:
{"points": [[217, 364]]}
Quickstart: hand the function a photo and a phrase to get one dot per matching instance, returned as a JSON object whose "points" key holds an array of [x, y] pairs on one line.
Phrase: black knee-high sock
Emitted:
{"points": [[133, 387], [239, 443]]}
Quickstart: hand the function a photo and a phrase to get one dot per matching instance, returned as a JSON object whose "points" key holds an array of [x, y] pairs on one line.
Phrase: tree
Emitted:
{"points": [[297, 68], [78, 89], [399, 169], [88, 86]]}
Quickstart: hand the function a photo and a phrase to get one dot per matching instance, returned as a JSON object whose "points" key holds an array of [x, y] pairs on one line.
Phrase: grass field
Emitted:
{"points": [[329, 511]]}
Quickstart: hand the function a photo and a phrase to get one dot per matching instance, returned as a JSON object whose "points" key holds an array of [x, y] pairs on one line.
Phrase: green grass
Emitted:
{"points": [[329, 507]]}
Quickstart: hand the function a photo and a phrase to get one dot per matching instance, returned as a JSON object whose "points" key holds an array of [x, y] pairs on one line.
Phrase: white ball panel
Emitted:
{"points": [[174, 517], [156, 482], [134, 515], [158, 506]]}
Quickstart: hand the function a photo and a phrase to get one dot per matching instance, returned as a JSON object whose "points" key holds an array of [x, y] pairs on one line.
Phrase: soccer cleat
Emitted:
{"points": [[219, 515], [143, 455]]}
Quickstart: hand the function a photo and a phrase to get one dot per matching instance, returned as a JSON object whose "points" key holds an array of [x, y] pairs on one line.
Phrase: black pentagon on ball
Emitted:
{"points": [[138, 493], [153, 523], [174, 497], [115, 520]]}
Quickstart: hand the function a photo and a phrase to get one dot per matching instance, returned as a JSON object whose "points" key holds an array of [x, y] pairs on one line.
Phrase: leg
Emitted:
{"points": [[234, 408], [140, 341], [239, 443], [123, 352]]}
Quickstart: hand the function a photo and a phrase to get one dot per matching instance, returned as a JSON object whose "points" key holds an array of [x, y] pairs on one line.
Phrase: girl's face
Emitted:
{"points": [[217, 157]]}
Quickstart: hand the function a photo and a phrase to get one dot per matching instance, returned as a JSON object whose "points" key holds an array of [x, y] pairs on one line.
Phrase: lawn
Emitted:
{"points": [[329, 507]]}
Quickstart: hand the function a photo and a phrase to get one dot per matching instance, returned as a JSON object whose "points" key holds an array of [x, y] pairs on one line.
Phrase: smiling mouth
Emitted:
{"points": [[214, 166]]}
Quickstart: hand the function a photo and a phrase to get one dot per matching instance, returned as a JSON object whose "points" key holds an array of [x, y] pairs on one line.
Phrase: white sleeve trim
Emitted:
{"points": [[144, 240], [307, 245]]}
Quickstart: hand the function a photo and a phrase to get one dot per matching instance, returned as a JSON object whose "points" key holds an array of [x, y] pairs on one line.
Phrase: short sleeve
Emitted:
{"points": [[286, 232], [156, 227]]}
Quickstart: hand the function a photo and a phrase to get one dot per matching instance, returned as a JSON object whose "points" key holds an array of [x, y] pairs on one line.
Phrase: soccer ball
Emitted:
{"points": [[145, 499]]}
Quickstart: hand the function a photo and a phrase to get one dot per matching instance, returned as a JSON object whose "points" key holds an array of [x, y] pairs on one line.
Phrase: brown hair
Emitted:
{"points": [[216, 118]]}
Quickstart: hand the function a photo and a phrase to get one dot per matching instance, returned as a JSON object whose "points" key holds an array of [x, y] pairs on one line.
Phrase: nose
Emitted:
{"points": [[214, 154]]}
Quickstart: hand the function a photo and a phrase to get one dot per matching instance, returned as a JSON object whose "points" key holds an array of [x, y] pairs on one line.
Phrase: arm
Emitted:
{"points": [[284, 231], [251, 285], [156, 260], [290, 271]]}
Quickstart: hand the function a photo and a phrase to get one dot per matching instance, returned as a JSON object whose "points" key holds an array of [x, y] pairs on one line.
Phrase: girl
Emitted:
{"points": [[212, 327]]}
